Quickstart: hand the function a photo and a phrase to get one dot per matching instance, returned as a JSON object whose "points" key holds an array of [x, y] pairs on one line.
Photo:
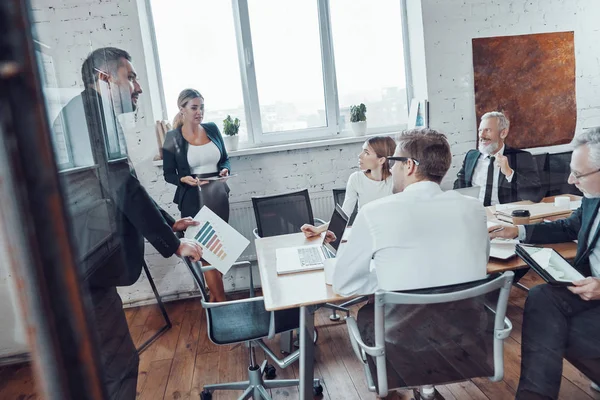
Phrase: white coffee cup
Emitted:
{"points": [[329, 267], [562, 202]]}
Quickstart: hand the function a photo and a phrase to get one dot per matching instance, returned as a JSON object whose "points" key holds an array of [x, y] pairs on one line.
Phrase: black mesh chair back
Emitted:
{"points": [[558, 174], [338, 197], [541, 161], [436, 336], [282, 214]]}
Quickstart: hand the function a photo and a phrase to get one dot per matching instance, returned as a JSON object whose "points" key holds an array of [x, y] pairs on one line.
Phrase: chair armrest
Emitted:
{"points": [[359, 347], [319, 221], [237, 264], [209, 304], [255, 231], [504, 333]]}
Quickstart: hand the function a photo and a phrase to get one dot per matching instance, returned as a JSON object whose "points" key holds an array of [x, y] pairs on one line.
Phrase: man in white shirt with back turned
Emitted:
{"points": [[419, 237]]}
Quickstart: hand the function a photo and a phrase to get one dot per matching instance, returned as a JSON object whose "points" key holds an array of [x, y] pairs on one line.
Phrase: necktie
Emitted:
{"points": [[487, 198]]}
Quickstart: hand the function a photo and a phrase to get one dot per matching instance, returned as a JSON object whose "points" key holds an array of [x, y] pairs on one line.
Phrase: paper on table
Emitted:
{"points": [[574, 205], [221, 244], [504, 207]]}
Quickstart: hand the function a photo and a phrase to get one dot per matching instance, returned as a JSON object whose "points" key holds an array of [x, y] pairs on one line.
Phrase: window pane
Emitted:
{"points": [[369, 61], [287, 57], [197, 49]]}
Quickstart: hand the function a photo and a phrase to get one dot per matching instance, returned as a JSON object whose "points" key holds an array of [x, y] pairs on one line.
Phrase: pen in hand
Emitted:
{"points": [[497, 230]]}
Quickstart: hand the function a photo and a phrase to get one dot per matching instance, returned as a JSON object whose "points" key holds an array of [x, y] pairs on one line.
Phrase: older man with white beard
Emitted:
{"points": [[504, 174]]}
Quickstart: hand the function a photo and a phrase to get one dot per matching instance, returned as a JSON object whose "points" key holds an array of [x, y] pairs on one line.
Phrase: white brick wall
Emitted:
{"points": [[449, 26], [73, 27]]}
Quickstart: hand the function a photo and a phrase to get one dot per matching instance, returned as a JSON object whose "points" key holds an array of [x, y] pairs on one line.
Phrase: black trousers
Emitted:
{"points": [[557, 324], [118, 355]]}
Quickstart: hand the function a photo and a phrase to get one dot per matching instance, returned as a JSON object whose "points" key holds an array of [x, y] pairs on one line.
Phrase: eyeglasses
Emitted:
{"points": [[392, 160], [579, 176]]}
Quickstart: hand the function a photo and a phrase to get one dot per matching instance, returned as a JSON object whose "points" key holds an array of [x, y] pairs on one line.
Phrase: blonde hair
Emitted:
{"points": [[185, 96], [383, 146]]}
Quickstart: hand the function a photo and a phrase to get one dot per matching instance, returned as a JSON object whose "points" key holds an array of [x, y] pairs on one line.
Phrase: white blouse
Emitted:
{"points": [[363, 190], [203, 159]]}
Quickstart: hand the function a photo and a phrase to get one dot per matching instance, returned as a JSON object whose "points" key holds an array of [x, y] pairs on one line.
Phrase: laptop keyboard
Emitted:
{"points": [[310, 256]]}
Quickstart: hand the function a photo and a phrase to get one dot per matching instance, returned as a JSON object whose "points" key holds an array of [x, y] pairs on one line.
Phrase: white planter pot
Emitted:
{"points": [[359, 128], [231, 142]]}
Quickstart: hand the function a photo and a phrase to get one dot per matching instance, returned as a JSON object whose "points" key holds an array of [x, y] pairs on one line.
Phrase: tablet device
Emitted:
{"points": [[549, 264]]}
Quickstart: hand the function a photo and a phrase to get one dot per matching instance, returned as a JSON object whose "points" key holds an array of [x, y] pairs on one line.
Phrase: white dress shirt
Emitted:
{"points": [[360, 188], [480, 176], [419, 238]]}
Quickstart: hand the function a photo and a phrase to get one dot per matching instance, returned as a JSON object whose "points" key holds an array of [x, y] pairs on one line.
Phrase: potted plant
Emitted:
{"points": [[358, 119], [231, 128]]}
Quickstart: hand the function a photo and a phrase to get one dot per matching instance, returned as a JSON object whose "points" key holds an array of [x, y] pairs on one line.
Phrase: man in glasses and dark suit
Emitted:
{"points": [[565, 321], [504, 174]]}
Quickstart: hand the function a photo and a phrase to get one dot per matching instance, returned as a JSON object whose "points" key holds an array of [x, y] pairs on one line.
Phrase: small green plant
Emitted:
{"points": [[358, 113], [231, 126]]}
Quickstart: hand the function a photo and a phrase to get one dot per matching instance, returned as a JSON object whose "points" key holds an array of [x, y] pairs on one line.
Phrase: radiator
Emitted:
{"points": [[242, 219]]}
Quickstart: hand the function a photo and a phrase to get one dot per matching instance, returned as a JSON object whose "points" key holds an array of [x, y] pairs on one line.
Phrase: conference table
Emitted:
{"points": [[307, 290]]}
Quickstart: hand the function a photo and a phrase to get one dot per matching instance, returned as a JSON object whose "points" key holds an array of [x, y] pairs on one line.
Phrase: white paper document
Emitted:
{"points": [[221, 244]]}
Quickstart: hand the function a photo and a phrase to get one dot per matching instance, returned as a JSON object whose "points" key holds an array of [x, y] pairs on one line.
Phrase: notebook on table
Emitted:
{"points": [[549, 264], [312, 257]]}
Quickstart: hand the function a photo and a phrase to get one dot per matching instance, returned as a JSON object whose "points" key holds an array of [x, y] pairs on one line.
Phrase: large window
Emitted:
{"points": [[290, 70]]}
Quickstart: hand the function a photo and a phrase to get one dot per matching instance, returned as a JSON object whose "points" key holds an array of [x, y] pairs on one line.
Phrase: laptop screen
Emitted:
{"points": [[337, 225]]}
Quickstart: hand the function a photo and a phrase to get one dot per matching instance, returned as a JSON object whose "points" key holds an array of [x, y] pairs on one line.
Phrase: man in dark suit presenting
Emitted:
{"points": [[504, 174], [111, 89], [565, 322]]}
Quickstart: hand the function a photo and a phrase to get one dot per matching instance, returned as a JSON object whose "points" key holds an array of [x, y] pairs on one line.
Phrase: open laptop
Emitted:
{"points": [[309, 258]]}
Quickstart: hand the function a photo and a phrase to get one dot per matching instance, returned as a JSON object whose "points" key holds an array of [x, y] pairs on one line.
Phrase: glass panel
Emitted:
{"points": [[369, 61], [287, 56], [200, 55]]}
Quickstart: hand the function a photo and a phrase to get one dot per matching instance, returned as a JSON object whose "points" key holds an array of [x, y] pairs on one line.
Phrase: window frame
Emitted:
{"points": [[256, 136]]}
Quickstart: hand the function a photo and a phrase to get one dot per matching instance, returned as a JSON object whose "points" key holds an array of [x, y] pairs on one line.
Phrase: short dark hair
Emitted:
{"points": [[107, 59], [430, 148]]}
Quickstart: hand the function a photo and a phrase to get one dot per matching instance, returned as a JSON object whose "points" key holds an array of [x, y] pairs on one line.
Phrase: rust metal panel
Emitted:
{"points": [[531, 78]]}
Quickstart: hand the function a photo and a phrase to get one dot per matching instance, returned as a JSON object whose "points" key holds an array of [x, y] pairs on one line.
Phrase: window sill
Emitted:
{"points": [[75, 170], [297, 145]]}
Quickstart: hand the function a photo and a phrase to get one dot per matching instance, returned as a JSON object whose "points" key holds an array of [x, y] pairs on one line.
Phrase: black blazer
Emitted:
{"points": [[137, 216], [525, 184], [175, 161], [577, 226]]}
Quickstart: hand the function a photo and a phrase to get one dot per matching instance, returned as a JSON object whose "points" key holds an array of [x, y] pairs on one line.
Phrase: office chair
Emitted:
{"points": [[541, 161], [428, 337], [247, 320], [338, 198], [558, 173]]}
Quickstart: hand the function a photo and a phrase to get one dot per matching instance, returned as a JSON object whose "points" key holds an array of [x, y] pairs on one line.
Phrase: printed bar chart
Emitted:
{"points": [[221, 244], [207, 237]]}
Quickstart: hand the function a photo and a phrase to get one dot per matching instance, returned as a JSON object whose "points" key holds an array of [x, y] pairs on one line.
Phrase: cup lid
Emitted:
{"points": [[521, 213]]}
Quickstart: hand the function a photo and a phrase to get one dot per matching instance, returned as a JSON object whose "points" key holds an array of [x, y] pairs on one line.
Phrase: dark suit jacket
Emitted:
{"points": [[577, 226], [175, 161], [525, 184], [136, 215]]}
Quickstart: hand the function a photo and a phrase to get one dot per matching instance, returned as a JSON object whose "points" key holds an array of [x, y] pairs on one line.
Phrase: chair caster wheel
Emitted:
{"points": [[334, 317], [205, 395], [270, 372], [318, 390]]}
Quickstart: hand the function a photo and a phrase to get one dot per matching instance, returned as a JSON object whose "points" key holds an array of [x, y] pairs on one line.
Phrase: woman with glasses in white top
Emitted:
{"points": [[372, 182]]}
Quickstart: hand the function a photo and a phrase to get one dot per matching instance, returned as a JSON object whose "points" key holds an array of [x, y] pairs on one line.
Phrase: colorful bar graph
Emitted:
{"points": [[208, 238]]}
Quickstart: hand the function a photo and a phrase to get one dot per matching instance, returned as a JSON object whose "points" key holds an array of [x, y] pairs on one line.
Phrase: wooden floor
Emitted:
{"points": [[178, 364]]}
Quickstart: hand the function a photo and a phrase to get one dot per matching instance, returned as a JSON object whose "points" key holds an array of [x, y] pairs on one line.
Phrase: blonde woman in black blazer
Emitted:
{"points": [[193, 151]]}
